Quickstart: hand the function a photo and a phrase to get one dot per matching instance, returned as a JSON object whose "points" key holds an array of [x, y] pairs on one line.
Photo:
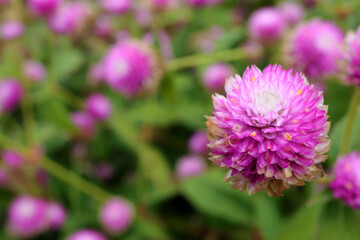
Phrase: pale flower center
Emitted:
{"points": [[266, 102], [26, 210], [121, 68]]}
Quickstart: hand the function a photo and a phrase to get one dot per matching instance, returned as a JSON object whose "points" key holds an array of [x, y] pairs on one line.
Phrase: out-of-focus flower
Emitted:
{"points": [[314, 48], [56, 215], [143, 16], [85, 123], [346, 183], [253, 50], [11, 93], [12, 159], [132, 68], [42, 177], [103, 26], [215, 76], [266, 25], [98, 106], [3, 2], [34, 71], [44, 7], [11, 30], [96, 73], [86, 234], [270, 130], [103, 171], [4, 178], [292, 12], [350, 60], [71, 18], [27, 216], [116, 6], [198, 143], [116, 215], [190, 166], [203, 3], [206, 40]]}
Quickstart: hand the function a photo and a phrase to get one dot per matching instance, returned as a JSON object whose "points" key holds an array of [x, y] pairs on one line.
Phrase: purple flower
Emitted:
{"points": [[85, 123], [215, 76], [116, 6], [116, 215], [34, 71], [103, 26], [351, 58], [3, 2], [56, 215], [4, 178], [27, 216], [11, 29], [270, 131], [132, 68], [11, 93], [203, 3], [12, 159], [314, 48], [266, 25], [292, 12], [86, 234], [96, 73], [198, 143], [190, 166], [98, 106], [103, 171], [44, 7]]}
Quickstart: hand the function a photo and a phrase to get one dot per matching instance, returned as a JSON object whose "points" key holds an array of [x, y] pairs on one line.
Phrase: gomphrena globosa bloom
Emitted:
{"points": [[198, 143], [132, 68], [346, 183], [34, 71], [56, 215], [190, 166], [98, 106], [351, 58], [215, 76], [270, 131], [43, 7], [86, 234], [116, 6]]}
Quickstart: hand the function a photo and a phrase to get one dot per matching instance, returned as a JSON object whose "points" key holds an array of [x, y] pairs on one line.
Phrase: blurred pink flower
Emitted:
{"points": [[12, 159], [116, 6], [44, 7], [198, 143], [34, 71], [215, 76], [98, 106], [11, 93], [190, 166], [56, 215], [11, 29], [292, 12], [86, 234]]}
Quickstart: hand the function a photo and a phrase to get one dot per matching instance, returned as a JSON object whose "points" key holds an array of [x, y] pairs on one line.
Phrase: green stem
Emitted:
{"points": [[350, 121], [203, 59]]}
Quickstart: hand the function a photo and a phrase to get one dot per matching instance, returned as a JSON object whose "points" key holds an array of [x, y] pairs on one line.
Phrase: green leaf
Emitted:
{"points": [[210, 195], [66, 62]]}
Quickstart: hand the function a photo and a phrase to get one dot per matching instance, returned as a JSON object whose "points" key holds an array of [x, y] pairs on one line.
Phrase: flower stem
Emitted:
{"points": [[350, 121], [202, 59]]}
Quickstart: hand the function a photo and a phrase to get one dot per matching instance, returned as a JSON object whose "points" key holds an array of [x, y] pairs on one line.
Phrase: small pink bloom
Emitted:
{"points": [[198, 143], [116, 6], [98, 106], [85, 123], [44, 7], [11, 30], [86, 234], [56, 215], [12, 159], [34, 71], [292, 12], [11, 93], [215, 76], [190, 166]]}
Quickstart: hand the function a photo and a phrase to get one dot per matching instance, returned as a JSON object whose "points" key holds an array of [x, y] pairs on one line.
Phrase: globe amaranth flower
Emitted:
{"points": [[116, 215], [4, 178], [215, 76], [11, 93], [314, 48], [43, 7], [12, 159], [270, 131], [350, 59], [198, 143], [86, 234], [11, 29], [85, 123], [116, 6], [27, 216], [98, 106], [292, 12], [203, 3], [34, 71], [56, 215], [346, 183], [103, 26], [266, 25], [132, 68], [190, 166]]}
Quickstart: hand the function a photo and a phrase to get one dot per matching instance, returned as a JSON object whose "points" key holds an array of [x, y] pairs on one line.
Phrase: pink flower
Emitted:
{"points": [[85, 123], [12, 159], [11, 29], [27, 216], [34, 71], [56, 215], [190, 166], [116, 215], [98, 106], [203, 3], [103, 26], [4, 178], [266, 25], [44, 7], [198, 143], [116, 6], [11, 93], [292, 12], [215, 76], [270, 131], [86, 234]]}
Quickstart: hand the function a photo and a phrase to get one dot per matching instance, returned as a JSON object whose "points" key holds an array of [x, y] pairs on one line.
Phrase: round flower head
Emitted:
{"points": [[198, 143], [27, 216], [56, 215], [3, 2], [215, 76], [85, 123], [292, 12], [98, 106], [34, 71], [266, 25], [86, 234], [103, 171], [71, 18], [116, 215], [116, 6], [132, 68], [314, 48], [12, 159], [190, 166], [4, 178], [11, 93], [203, 3], [270, 131], [351, 58], [11, 29], [103, 26], [43, 7]]}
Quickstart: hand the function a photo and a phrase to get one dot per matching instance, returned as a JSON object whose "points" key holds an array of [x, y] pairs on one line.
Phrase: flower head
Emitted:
{"points": [[85, 123], [116, 215], [11, 30], [44, 7], [203, 3], [132, 68], [56, 215], [4, 178], [12, 159], [266, 25], [215, 76], [116, 6], [198, 143], [34, 71], [98, 106], [346, 183], [86, 234], [270, 131], [190, 166], [11, 93], [314, 48], [292, 12]]}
